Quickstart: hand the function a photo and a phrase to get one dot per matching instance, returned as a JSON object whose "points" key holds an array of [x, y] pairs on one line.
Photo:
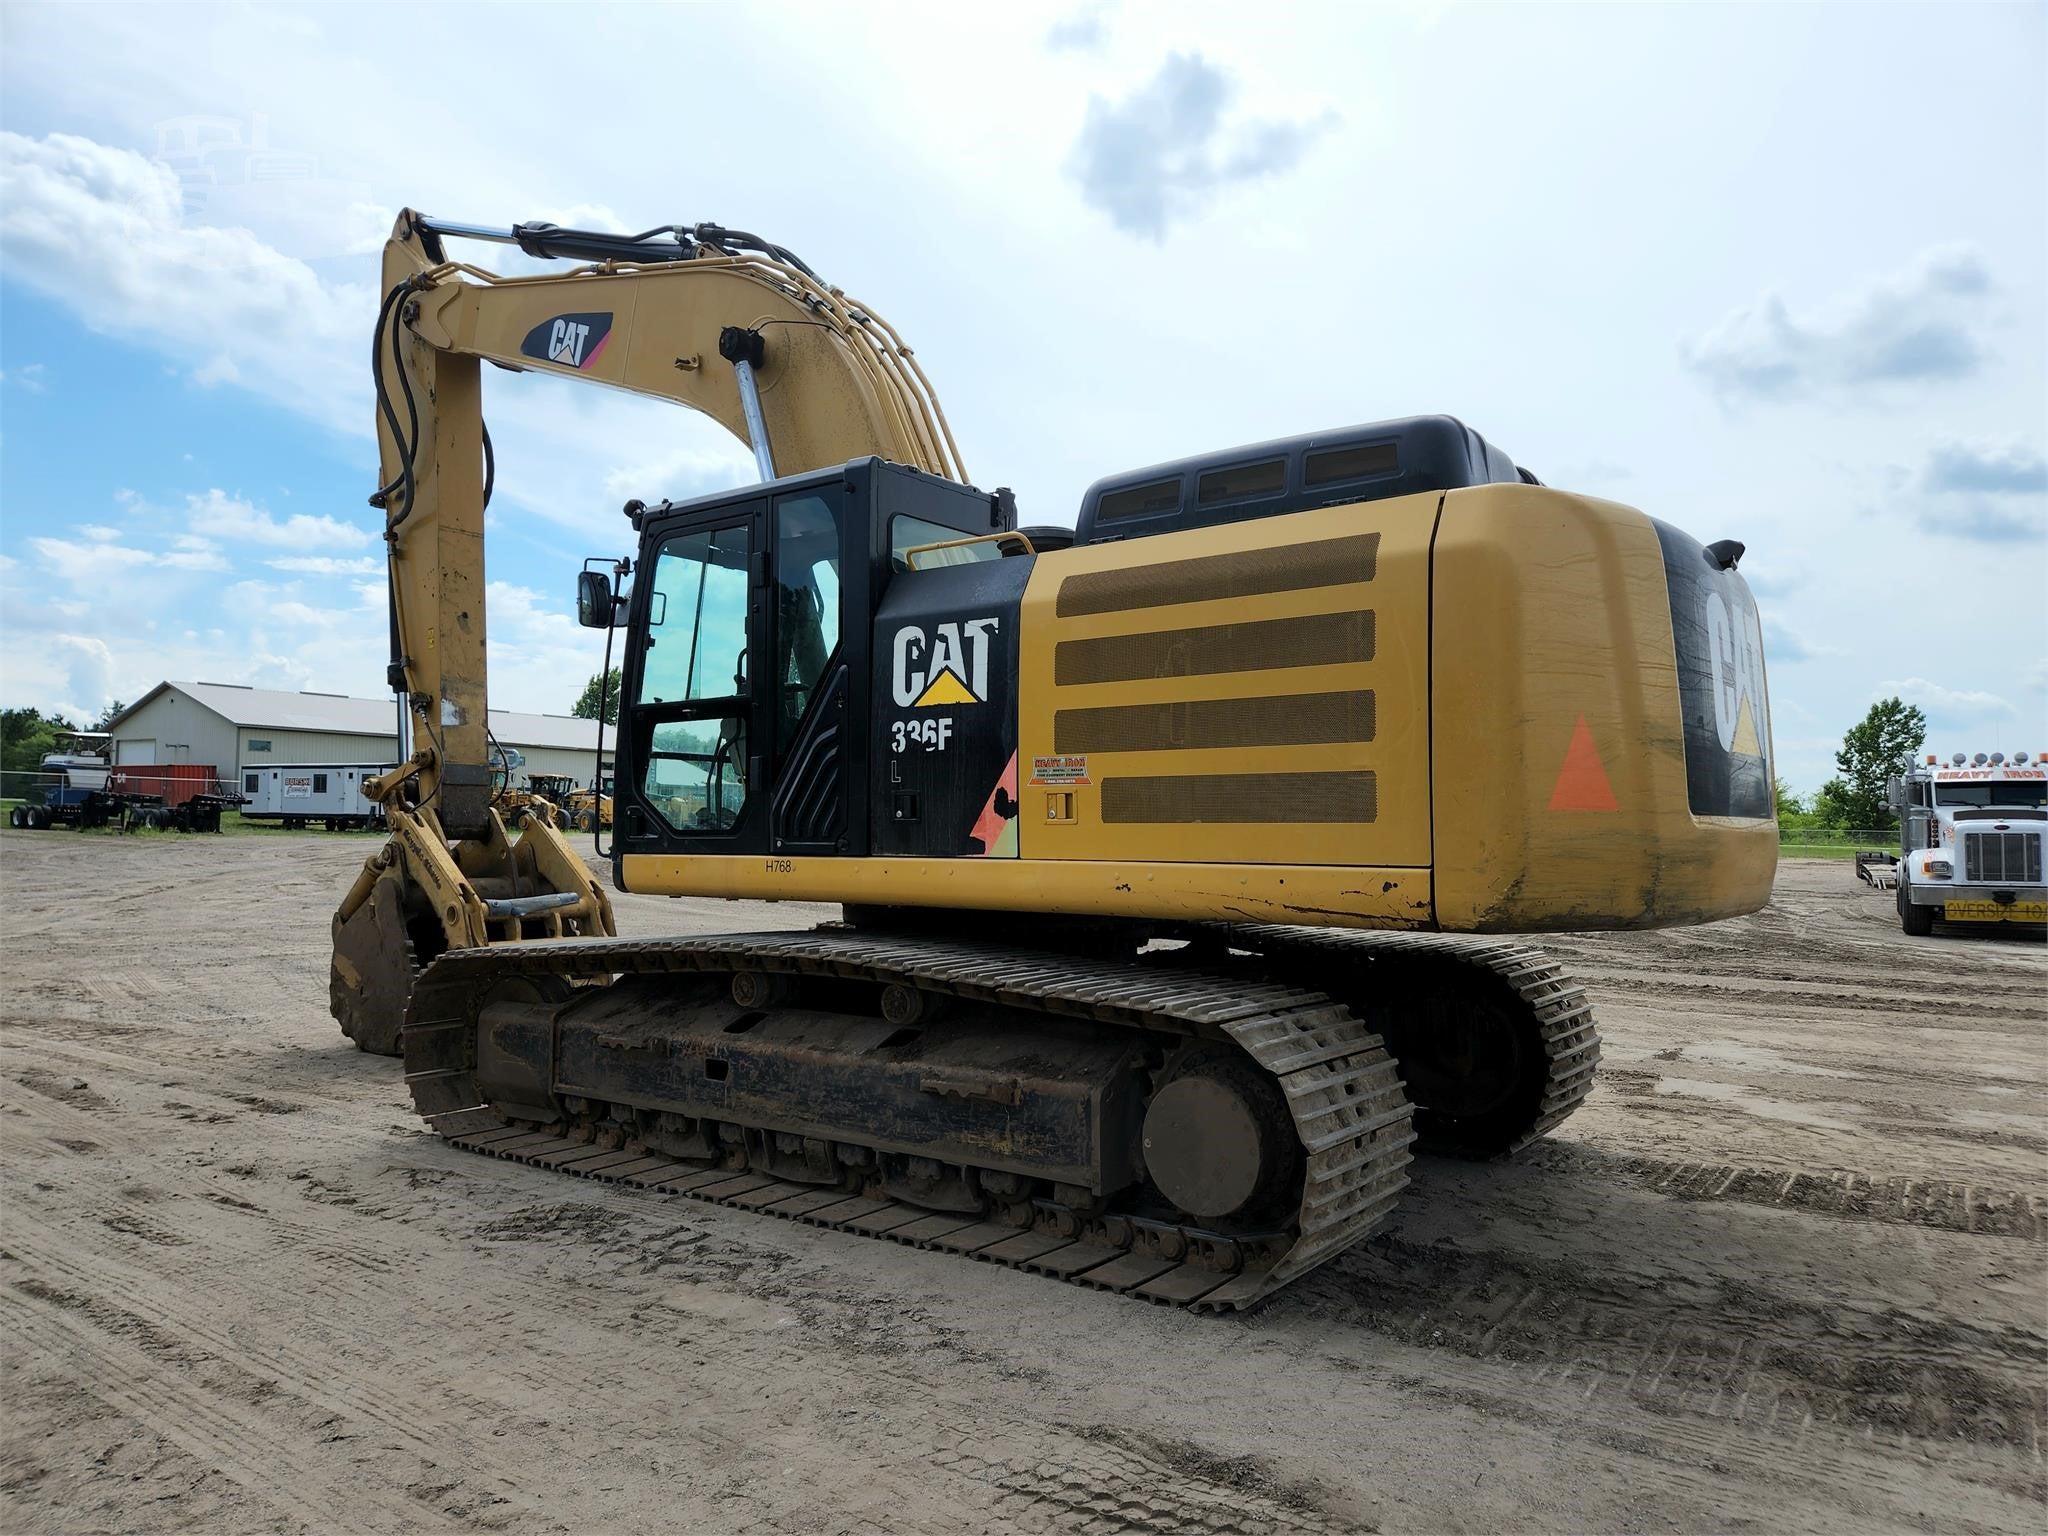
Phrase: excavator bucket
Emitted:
{"points": [[373, 967]]}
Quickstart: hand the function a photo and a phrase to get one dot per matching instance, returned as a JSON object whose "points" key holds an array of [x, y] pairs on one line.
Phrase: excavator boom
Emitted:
{"points": [[712, 319]]}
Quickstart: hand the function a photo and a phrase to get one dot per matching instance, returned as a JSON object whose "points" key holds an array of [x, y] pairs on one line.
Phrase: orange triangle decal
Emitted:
{"points": [[1582, 781]]}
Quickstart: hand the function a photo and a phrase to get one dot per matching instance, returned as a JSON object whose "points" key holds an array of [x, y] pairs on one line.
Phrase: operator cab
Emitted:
{"points": [[749, 673]]}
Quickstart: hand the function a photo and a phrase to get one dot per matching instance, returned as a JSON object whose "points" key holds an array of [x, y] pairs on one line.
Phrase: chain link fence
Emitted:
{"points": [[1835, 842], [129, 798], [39, 787]]}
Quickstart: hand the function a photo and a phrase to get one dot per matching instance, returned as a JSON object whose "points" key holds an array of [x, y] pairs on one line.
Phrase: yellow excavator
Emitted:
{"points": [[1173, 848]]}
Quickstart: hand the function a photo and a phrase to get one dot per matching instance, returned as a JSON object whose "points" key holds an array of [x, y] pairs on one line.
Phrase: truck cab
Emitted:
{"points": [[1972, 833]]}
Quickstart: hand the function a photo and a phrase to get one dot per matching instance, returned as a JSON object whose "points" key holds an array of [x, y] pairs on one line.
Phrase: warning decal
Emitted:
{"points": [[1070, 770], [1582, 783]]}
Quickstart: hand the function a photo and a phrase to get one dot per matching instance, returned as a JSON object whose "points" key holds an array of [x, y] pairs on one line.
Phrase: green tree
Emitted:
{"points": [[25, 735], [585, 707], [1790, 803], [1831, 804], [107, 715], [1878, 746]]}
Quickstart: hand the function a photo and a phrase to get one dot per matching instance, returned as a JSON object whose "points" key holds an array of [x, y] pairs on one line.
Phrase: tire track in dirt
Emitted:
{"points": [[806, 1381], [1732, 1351], [1678, 1373], [1941, 1204], [1067, 1484], [220, 1415], [322, 1396]]}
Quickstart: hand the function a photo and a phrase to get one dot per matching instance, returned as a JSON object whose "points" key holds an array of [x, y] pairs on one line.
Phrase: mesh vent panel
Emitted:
{"points": [[1238, 799], [1300, 719], [1315, 640], [1291, 568]]}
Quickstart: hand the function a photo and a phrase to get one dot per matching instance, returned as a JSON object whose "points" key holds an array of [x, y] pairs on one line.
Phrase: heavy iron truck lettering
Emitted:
{"points": [[1167, 843]]}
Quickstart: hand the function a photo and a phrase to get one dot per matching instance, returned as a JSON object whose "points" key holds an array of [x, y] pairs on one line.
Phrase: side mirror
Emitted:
{"points": [[1895, 792], [594, 600]]}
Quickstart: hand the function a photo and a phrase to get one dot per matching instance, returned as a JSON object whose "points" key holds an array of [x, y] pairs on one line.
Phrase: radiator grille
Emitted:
{"points": [[1290, 720], [1241, 798], [2002, 858], [1315, 640], [1289, 568]]}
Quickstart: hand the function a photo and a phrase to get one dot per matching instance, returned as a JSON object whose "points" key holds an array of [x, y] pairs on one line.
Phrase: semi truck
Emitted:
{"points": [[1971, 833]]}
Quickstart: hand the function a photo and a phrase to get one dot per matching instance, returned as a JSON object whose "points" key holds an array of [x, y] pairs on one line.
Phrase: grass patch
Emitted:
{"points": [[232, 824]]}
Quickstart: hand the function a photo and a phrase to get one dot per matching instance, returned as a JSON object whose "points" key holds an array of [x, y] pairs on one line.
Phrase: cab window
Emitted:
{"points": [[908, 533], [697, 618], [806, 601], [696, 649]]}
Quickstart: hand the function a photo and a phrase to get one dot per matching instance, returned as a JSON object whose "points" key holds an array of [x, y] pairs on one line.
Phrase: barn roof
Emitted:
{"points": [[338, 714]]}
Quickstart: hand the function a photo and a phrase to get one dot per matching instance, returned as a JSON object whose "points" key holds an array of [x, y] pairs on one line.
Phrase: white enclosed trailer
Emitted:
{"points": [[312, 794]]}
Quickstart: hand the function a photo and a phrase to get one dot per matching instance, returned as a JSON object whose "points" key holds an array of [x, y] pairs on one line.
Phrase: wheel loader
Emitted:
{"points": [[1181, 852]]}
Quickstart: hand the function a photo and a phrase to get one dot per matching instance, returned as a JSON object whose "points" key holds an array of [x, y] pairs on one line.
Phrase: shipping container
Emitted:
{"points": [[308, 794], [172, 783]]}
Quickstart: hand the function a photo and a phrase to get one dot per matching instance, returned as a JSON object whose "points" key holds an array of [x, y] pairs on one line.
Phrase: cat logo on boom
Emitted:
{"points": [[574, 341], [949, 666]]}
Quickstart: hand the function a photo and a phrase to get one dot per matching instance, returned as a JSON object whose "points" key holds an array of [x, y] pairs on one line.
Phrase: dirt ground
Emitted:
{"points": [[1784, 1272]]}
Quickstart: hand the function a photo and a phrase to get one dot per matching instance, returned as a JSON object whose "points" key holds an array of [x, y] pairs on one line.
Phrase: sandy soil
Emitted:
{"points": [[1785, 1271]]}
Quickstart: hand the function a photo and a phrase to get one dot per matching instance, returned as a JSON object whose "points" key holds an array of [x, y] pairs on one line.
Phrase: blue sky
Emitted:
{"points": [[1775, 273]]}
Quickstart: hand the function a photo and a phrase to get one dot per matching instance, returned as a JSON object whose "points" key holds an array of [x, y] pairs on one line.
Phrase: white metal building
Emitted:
{"points": [[237, 728]]}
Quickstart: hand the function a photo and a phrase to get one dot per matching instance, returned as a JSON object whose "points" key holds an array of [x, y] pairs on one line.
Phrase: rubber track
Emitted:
{"points": [[1558, 1006], [1341, 1086]]}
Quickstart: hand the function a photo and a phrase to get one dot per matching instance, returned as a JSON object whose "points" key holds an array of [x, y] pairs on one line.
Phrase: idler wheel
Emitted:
{"points": [[1218, 1139]]}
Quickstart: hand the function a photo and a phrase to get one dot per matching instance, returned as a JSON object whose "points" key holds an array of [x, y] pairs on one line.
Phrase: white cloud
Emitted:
{"points": [[1912, 326], [1992, 492], [1965, 701], [1163, 151], [683, 472], [328, 565], [215, 514], [87, 566], [29, 377], [2009, 468], [100, 230], [1782, 644], [218, 369], [99, 533], [62, 653], [1082, 30]]}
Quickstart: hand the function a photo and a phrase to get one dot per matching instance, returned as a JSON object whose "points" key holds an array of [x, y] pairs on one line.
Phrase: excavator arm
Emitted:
{"points": [[713, 319]]}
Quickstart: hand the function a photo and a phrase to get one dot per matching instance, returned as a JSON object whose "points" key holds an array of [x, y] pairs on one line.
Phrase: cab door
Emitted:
{"points": [[807, 688], [694, 734]]}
